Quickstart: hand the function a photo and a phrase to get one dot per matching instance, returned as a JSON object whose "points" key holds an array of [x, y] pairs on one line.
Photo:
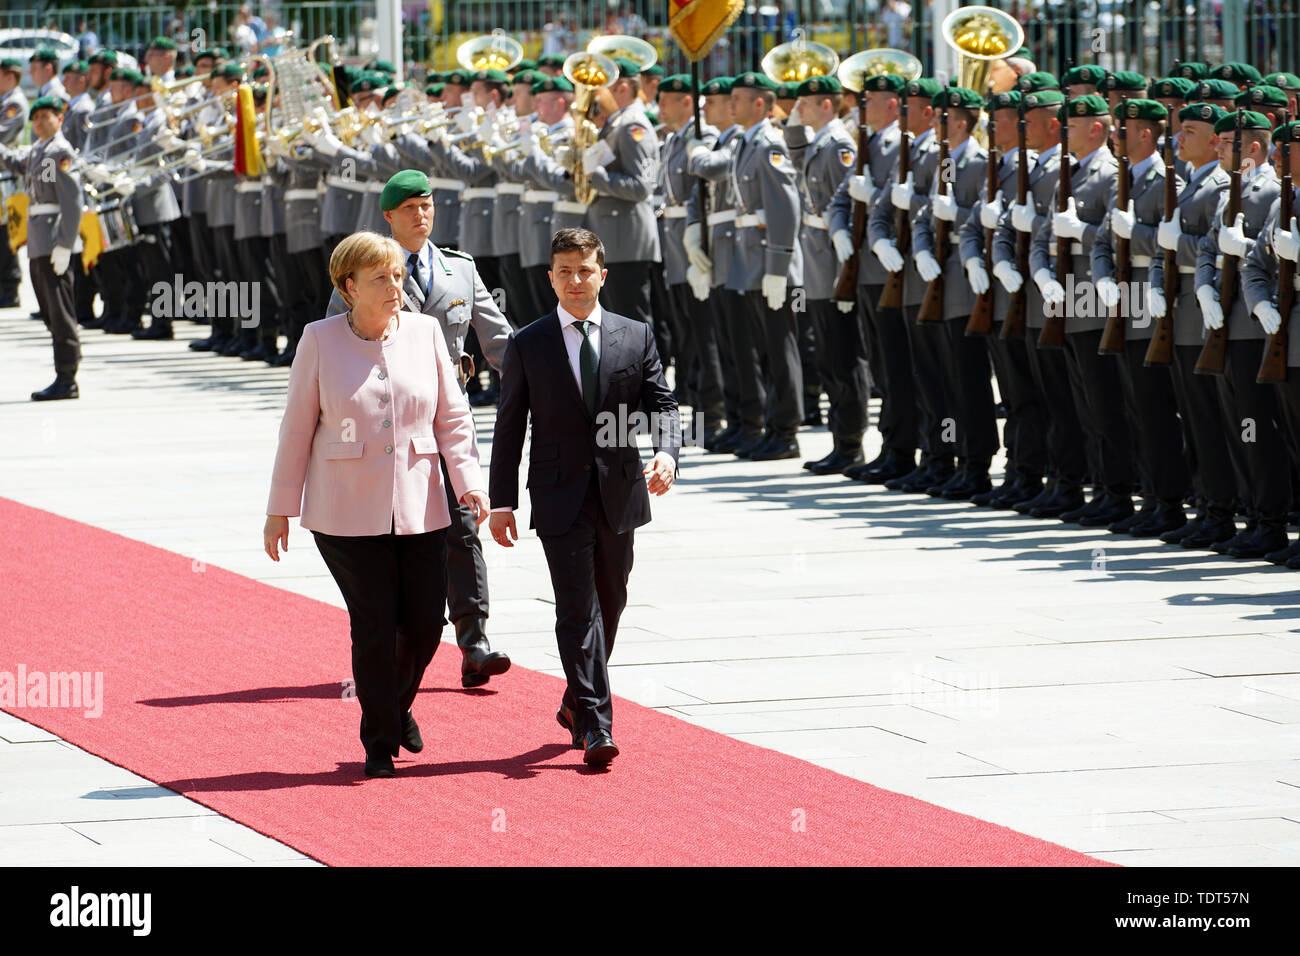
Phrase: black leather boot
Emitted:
{"points": [[478, 661]]}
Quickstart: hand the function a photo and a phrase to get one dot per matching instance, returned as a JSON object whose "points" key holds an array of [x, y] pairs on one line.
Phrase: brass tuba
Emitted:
{"points": [[799, 59], [588, 72], [627, 47], [980, 36], [492, 51], [854, 72]]}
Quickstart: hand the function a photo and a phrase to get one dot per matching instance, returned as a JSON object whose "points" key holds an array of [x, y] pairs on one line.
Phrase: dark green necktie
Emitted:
{"points": [[587, 365]]}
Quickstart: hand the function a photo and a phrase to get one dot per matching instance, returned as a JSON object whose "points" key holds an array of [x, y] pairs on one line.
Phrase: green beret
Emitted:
{"points": [[1088, 73], [435, 77], [45, 103], [1140, 109], [1263, 95], [1022, 54], [1192, 70], [924, 87], [1237, 73], [1039, 80], [230, 71], [215, 53], [259, 93], [1287, 131], [260, 71], [1124, 80], [654, 70], [551, 59], [1249, 120], [1089, 105], [458, 78], [1213, 90], [1283, 81], [755, 81], [9, 63], [381, 66], [145, 81], [551, 84], [188, 70], [820, 86], [105, 57], [389, 93], [76, 66], [677, 83], [45, 54], [884, 83], [719, 86], [490, 76], [1171, 88], [162, 43], [365, 83], [626, 67], [1202, 113], [128, 75], [523, 65], [529, 76], [434, 89], [787, 91], [1044, 98], [957, 96], [404, 185], [1009, 100]]}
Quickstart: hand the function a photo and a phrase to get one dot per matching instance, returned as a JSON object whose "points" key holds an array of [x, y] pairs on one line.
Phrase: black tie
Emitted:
{"points": [[587, 366], [413, 264]]}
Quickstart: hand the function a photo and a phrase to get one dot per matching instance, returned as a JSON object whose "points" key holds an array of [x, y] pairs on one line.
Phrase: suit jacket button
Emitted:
{"points": [[387, 423], [388, 449], [383, 374]]}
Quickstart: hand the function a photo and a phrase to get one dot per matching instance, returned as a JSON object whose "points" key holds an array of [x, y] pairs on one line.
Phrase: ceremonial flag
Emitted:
{"points": [[248, 161], [698, 24]]}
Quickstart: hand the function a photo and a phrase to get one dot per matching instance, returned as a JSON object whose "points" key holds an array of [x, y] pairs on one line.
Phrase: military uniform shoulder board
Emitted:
{"points": [[637, 132], [847, 156], [456, 252]]}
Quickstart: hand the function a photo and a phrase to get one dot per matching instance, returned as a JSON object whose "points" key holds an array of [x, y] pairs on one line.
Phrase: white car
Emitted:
{"points": [[21, 44]]}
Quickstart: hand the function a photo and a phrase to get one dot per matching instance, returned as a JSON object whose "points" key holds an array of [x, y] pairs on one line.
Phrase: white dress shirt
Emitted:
{"points": [[572, 335]]}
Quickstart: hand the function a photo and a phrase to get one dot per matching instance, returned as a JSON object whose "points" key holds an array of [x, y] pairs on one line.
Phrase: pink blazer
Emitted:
{"points": [[363, 429]]}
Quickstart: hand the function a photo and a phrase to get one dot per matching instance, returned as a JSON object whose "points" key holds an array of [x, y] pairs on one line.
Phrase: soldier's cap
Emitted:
{"points": [[260, 71], [551, 59], [259, 93], [1237, 72], [404, 185], [677, 83], [45, 54], [458, 78], [1263, 95], [1249, 120], [1044, 98], [1024, 53], [719, 86], [390, 93], [1010, 100], [490, 76], [529, 76], [755, 81], [1202, 113], [1038, 80], [1124, 80], [435, 77], [1192, 70], [1087, 73], [350, 73], [820, 86], [957, 96], [787, 91], [1283, 81], [654, 70], [627, 67], [126, 74], [12, 65], [45, 103], [1171, 88], [884, 83], [381, 66], [145, 81], [187, 70], [434, 89], [216, 53], [523, 65], [1213, 90], [924, 87], [76, 66], [1088, 105], [104, 57], [551, 84], [366, 83], [1289, 132], [230, 71], [1140, 109], [162, 43]]}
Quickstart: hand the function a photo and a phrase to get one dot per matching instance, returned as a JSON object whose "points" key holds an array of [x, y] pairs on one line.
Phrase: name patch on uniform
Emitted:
{"points": [[637, 133], [847, 157]]}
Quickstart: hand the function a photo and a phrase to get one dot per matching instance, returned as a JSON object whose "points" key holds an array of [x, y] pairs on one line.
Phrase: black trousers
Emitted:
{"points": [[890, 360], [843, 359], [466, 578], [776, 334], [1202, 414], [393, 587], [1025, 431], [1066, 444], [54, 299], [155, 259], [306, 288], [746, 355], [627, 284], [1099, 398], [724, 308], [84, 285], [811, 370], [589, 564], [228, 268], [663, 314], [254, 264], [115, 269], [1158, 435], [969, 387], [937, 423], [520, 308], [701, 343], [1265, 486], [11, 276], [540, 284], [202, 262]]}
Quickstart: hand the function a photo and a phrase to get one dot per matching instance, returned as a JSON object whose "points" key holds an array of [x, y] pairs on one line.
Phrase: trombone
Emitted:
{"points": [[156, 88]]}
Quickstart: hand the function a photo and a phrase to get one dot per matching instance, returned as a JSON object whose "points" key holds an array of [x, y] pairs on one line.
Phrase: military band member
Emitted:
{"points": [[1082, 80], [219, 204], [53, 221], [1288, 83], [13, 120], [80, 102], [44, 69], [1267, 100], [547, 184], [202, 257], [1220, 93]]}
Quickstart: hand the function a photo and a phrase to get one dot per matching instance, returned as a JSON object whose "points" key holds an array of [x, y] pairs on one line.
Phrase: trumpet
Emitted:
{"points": [[156, 88]]}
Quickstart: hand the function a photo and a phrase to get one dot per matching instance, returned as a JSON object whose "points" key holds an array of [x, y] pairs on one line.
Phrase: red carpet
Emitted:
{"points": [[228, 691]]}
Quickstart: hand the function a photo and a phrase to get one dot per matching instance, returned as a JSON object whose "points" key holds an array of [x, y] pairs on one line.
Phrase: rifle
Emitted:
{"points": [[846, 286], [891, 296], [1013, 326], [981, 316], [1112, 339], [1052, 335], [1161, 349], [1213, 352], [932, 304], [1273, 366]]}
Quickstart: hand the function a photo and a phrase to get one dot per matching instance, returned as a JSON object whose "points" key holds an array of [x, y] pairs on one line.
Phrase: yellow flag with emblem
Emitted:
{"points": [[698, 24]]}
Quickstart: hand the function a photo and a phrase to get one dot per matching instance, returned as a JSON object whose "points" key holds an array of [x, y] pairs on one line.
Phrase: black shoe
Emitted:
{"points": [[931, 476], [985, 498], [1177, 535], [1211, 532], [258, 353], [566, 719], [813, 463], [89, 322], [60, 388], [1067, 498], [1125, 525], [411, 739], [232, 348], [748, 443], [284, 359], [1164, 519], [1084, 510], [1238, 539], [891, 465], [598, 749], [833, 464], [487, 396], [1294, 563], [1266, 539], [713, 443], [1113, 507], [776, 450], [157, 331], [1045, 494], [1024, 488], [8, 301], [1283, 555], [380, 765], [204, 345], [478, 661], [813, 419], [966, 484], [124, 327]]}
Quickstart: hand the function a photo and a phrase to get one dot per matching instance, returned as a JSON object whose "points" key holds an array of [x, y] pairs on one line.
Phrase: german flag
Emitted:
{"points": [[698, 24]]}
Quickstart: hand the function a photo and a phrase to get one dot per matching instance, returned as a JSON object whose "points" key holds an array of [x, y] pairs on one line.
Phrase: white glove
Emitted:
{"points": [[1155, 302], [699, 283], [373, 134], [466, 120], [928, 266], [1022, 217], [696, 147], [691, 241], [563, 156], [843, 244], [437, 134], [1122, 221], [991, 212], [326, 143], [1006, 273], [774, 291], [1211, 310], [1053, 292], [858, 189], [1270, 320], [59, 259], [123, 186], [1068, 225], [1107, 291], [845, 307], [979, 279], [596, 155], [1232, 240], [901, 194], [794, 117], [888, 254], [1287, 243], [1168, 233], [944, 207]]}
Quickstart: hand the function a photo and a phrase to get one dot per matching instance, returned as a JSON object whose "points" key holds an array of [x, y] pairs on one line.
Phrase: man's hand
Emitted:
{"points": [[859, 191], [1022, 217], [275, 532], [843, 244], [1270, 320], [660, 470], [502, 526], [1168, 233], [927, 265], [979, 279], [991, 212], [900, 194], [1068, 225], [1006, 273], [60, 256], [1232, 239], [1286, 242], [1122, 221], [888, 254], [1107, 291], [774, 289], [944, 206], [477, 503], [692, 242], [700, 283], [1211, 309]]}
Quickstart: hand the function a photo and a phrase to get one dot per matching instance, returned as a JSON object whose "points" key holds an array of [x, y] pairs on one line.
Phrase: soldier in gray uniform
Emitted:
{"points": [[519, 306], [124, 298], [547, 184], [54, 218], [44, 68], [443, 283], [1198, 399], [81, 103], [825, 159], [220, 202], [1171, 93], [303, 292], [13, 119]]}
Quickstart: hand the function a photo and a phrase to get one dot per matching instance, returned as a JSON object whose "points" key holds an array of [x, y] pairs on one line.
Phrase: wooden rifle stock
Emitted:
{"points": [[1013, 326], [1214, 351], [891, 296], [1161, 349], [1272, 368], [1112, 338], [846, 285], [932, 304], [1052, 335], [981, 316]]}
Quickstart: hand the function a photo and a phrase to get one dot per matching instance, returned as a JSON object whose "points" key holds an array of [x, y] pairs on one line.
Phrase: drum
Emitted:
{"points": [[117, 227], [13, 207]]}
